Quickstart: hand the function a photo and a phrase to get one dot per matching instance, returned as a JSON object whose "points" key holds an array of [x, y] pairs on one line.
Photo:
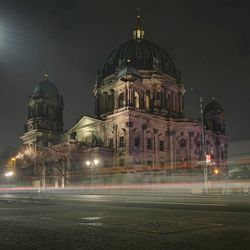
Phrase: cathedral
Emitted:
{"points": [[139, 124]]}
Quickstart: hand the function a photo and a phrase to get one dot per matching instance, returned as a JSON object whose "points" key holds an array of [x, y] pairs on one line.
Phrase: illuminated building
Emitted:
{"points": [[139, 121]]}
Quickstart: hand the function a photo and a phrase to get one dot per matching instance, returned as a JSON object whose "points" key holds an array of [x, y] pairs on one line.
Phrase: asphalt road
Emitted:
{"points": [[123, 220]]}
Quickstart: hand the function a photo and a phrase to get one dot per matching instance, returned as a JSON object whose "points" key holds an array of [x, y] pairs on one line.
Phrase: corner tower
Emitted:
{"points": [[45, 114], [214, 117]]}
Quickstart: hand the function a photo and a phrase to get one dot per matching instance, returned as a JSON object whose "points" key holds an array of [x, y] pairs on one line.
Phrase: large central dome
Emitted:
{"points": [[141, 54]]}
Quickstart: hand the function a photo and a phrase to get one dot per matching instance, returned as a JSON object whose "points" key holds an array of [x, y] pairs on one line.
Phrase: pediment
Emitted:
{"points": [[84, 122]]}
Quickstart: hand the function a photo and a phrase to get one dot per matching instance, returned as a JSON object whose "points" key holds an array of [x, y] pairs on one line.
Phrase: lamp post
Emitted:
{"points": [[13, 159], [203, 149], [203, 153], [8, 175], [92, 164]]}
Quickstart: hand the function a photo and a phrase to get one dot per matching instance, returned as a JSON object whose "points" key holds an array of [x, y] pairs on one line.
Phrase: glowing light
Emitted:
{"points": [[88, 163], [208, 159], [96, 161], [8, 174], [19, 156], [216, 171]]}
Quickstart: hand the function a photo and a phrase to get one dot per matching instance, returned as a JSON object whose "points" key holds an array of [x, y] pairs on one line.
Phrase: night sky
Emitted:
{"points": [[70, 40]]}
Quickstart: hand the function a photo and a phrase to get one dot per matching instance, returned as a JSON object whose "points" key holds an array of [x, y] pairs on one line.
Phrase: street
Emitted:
{"points": [[123, 220]]}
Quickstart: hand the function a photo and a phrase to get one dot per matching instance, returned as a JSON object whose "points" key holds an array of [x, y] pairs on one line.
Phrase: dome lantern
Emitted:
{"points": [[138, 33], [143, 55]]}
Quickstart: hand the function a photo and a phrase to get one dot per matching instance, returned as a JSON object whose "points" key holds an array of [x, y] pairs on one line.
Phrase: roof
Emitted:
{"points": [[142, 55], [46, 87], [213, 106]]}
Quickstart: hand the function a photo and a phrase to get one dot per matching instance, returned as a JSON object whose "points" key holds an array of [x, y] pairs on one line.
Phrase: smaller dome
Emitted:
{"points": [[46, 87], [213, 106], [214, 117]]}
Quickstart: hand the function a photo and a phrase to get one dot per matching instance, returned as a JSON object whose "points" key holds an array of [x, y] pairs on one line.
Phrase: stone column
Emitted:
{"points": [[62, 174], [116, 96], [172, 149], [152, 101], [131, 100], [190, 135], [126, 96], [155, 132], [115, 136], [144, 127], [68, 169], [43, 177], [56, 181], [97, 108], [167, 164]]}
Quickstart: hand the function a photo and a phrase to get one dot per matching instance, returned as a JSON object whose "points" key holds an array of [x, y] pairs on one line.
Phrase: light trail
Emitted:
{"points": [[177, 203], [189, 187]]}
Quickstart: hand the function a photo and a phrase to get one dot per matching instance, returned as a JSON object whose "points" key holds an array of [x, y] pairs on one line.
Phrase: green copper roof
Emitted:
{"points": [[143, 55], [214, 106], [46, 87]]}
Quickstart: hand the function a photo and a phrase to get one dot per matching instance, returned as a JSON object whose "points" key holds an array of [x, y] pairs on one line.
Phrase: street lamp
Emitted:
{"points": [[96, 161], [203, 149], [8, 175], [203, 154], [13, 160], [92, 164], [216, 171]]}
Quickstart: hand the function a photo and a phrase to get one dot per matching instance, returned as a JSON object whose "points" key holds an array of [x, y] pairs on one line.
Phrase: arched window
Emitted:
{"points": [[169, 102], [158, 95], [222, 155], [149, 143], [121, 136], [105, 101], [161, 141], [182, 143], [136, 100], [121, 100], [137, 141], [173, 102], [149, 140], [177, 99]]}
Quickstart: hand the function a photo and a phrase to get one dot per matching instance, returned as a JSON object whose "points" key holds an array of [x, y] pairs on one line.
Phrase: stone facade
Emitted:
{"points": [[139, 121]]}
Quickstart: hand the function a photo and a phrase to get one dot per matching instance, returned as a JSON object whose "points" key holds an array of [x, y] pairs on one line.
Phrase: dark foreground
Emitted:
{"points": [[123, 220]]}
